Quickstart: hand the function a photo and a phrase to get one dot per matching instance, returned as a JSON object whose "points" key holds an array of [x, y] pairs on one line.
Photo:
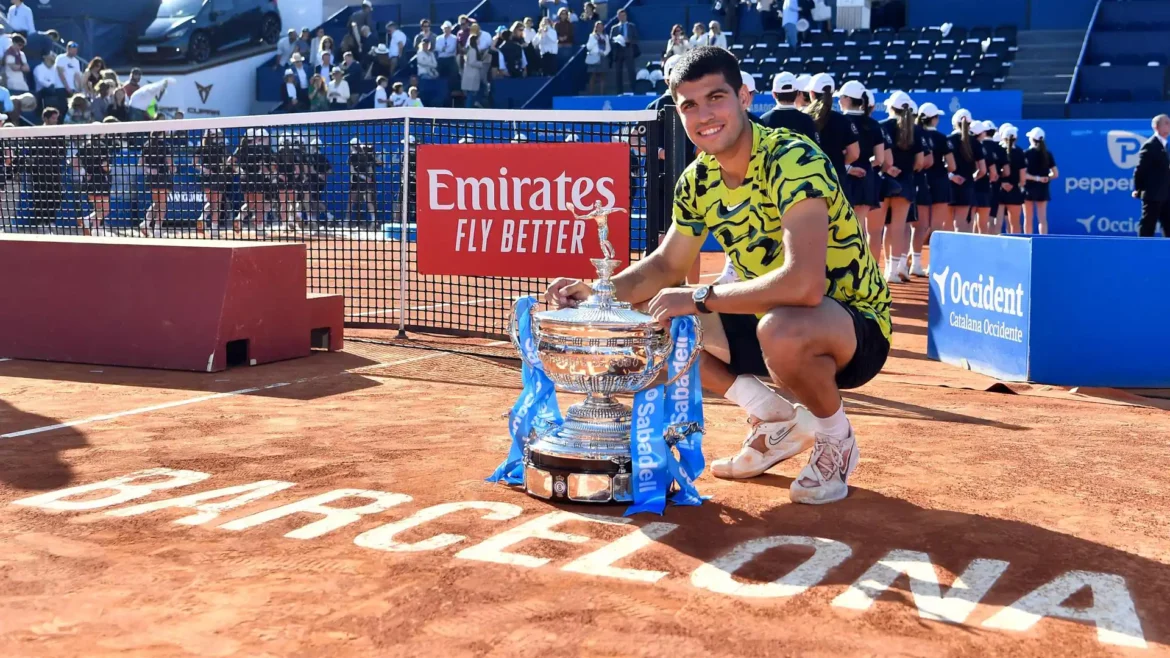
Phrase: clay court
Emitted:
{"points": [[1049, 503]]}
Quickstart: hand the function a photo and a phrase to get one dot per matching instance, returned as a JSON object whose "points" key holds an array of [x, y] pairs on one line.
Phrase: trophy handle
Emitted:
{"points": [[514, 334], [694, 352]]}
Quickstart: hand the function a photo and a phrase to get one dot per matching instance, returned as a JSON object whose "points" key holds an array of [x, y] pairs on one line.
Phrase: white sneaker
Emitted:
{"points": [[917, 269], [903, 271], [826, 477], [783, 440]]}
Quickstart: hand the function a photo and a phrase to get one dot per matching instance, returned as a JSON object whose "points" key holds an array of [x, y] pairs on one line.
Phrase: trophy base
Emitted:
{"points": [[577, 479]]}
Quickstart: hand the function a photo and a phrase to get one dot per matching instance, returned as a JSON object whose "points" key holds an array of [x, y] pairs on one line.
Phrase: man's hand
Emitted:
{"points": [[672, 303], [567, 292]]}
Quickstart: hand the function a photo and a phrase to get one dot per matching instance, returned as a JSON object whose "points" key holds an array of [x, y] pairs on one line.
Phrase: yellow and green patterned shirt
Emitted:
{"points": [[785, 168]]}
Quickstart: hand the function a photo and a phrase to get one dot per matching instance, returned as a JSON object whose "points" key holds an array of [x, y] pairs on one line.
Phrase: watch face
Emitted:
{"points": [[701, 293]]}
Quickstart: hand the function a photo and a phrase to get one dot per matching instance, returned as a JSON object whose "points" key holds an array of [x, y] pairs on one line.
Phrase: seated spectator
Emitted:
{"points": [[92, 76], [398, 96], [548, 43], [135, 82], [715, 36], [564, 28], [382, 93], [325, 66], [20, 19], [78, 110], [678, 43], [338, 91], [513, 62], [45, 74], [285, 49], [381, 63], [424, 34], [426, 62], [69, 70], [16, 66], [103, 97], [318, 94], [413, 100], [290, 94], [118, 109], [112, 76], [597, 58], [698, 35]]}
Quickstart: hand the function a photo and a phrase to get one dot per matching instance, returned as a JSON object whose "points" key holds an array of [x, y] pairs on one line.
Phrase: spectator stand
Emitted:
{"points": [[1124, 65], [571, 76], [39, 43]]}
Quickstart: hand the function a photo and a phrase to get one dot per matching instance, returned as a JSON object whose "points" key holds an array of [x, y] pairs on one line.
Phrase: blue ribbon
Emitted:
{"points": [[655, 464], [537, 402]]}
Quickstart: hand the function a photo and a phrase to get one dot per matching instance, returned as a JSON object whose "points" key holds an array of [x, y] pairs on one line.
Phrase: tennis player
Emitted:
{"points": [[811, 311]]}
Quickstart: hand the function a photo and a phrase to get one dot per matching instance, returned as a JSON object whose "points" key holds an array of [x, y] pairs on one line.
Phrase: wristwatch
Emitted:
{"points": [[700, 296]]}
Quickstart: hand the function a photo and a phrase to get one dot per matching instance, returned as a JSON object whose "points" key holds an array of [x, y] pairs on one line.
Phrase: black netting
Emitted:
{"points": [[334, 185]]}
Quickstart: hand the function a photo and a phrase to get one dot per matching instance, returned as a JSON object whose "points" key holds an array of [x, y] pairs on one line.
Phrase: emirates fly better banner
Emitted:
{"points": [[502, 209]]}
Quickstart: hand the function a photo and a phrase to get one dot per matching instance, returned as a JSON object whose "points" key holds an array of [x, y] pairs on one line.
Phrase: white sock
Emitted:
{"points": [[754, 397], [918, 258], [835, 426]]}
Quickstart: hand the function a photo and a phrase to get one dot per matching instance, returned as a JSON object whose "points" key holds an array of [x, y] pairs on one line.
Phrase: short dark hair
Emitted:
{"points": [[703, 61], [785, 96]]}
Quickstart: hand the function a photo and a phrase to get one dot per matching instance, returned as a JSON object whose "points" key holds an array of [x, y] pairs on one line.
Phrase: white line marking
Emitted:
{"points": [[436, 355], [140, 410], [431, 307], [2, 360]]}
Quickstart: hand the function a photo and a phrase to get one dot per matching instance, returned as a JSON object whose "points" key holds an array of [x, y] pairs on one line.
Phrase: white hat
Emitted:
{"points": [[783, 82], [381, 49], [668, 65], [899, 100], [802, 81], [929, 110], [852, 89], [445, 25], [1008, 131], [296, 57], [978, 127], [957, 117], [989, 125], [748, 80], [1036, 133], [819, 81], [288, 72]]}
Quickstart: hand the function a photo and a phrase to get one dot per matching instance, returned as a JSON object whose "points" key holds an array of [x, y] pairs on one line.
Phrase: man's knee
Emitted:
{"points": [[785, 335]]}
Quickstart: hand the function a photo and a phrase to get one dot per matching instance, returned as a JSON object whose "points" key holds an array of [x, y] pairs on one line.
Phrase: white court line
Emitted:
{"points": [[394, 311], [3, 360], [429, 356], [140, 410]]}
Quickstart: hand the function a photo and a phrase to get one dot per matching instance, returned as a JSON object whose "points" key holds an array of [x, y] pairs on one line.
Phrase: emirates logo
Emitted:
{"points": [[204, 91]]}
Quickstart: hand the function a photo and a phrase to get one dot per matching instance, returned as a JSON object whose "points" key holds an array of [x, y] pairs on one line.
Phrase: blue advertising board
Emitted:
{"points": [[1029, 309]]}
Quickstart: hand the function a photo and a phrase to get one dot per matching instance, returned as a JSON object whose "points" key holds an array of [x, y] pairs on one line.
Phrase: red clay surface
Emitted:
{"points": [[955, 468]]}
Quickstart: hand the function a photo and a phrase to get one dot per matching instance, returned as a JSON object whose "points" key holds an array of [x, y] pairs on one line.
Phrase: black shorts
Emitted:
{"points": [[963, 195], [747, 357], [1036, 191]]}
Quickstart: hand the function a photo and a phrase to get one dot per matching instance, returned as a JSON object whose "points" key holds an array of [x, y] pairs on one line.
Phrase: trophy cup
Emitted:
{"points": [[600, 348]]}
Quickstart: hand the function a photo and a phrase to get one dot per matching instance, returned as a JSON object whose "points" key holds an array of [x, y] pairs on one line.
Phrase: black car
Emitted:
{"points": [[197, 29]]}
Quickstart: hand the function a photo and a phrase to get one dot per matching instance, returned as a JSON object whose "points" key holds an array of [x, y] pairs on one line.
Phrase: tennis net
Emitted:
{"points": [[344, 183]]}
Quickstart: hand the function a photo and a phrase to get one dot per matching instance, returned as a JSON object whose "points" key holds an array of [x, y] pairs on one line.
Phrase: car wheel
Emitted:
{"points": [[199, 50], [270, 30]]}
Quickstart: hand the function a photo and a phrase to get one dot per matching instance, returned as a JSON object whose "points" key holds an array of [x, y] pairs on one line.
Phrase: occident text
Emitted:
{"points": [[998, 329]]}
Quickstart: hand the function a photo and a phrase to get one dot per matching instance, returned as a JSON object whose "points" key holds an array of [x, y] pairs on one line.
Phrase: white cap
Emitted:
{"points": [[783, 82], [959, 116], [989, 125], [899, 100], [668, 66], [978, 127], [1007, 131], [748, 80], [1036, 133], [929, 110], [802, 82], [819, 81], [852, 89]]}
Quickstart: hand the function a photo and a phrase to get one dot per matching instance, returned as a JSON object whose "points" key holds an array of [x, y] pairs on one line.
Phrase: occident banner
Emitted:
{"points": [[503, 209]]}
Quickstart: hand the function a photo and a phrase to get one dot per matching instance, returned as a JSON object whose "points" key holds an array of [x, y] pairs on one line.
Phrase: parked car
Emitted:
{"points": [[195, 30]]}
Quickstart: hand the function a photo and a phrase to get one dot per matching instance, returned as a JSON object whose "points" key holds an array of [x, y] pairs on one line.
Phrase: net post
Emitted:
{"points": [[655, 197], [402, 246]]}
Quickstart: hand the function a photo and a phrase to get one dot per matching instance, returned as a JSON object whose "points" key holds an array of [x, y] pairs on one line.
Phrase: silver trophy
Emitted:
{"points": [[600, 348]]}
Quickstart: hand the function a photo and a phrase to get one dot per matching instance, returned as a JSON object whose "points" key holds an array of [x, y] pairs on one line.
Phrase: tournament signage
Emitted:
{"points": [[504, 209]]}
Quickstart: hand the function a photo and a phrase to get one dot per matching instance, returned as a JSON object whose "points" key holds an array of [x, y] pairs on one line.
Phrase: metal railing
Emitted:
{"points": [[1072, 86]]}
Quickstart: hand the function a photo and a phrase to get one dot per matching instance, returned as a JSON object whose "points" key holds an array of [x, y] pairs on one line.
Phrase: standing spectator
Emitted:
{"points": [[15, 66], [476, 67], [529, 30], [103, 96], [1151, 180], [715, 36], [427, 63], [111, 75], [446, 50], [548, 45], [50, 90], [135, 82], [789, 16], [678, 43], [305, 43], [601, 7], [363, 17], [398, 96], [463, 32], [552, 8], [596, 58], [512, 59], [92, 76], [69, 70], [290, 94], [350, 67], [589, 13], [326, 65], [355, 41], [564, 28], [301, 74], [424, 34], [396, 42], [338, 91], [20, 18], [624, 36], [698, 35], [145, 96], [316, 46], [323, 46], [382, 93], [318, 94], [285, 50], [118, 110]]}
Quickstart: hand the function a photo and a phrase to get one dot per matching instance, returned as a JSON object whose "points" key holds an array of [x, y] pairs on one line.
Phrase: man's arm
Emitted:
{"points": [[800, 281]]}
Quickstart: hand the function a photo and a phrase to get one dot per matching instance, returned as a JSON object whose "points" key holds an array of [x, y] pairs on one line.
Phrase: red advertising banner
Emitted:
{"points": [[502, 209]]}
